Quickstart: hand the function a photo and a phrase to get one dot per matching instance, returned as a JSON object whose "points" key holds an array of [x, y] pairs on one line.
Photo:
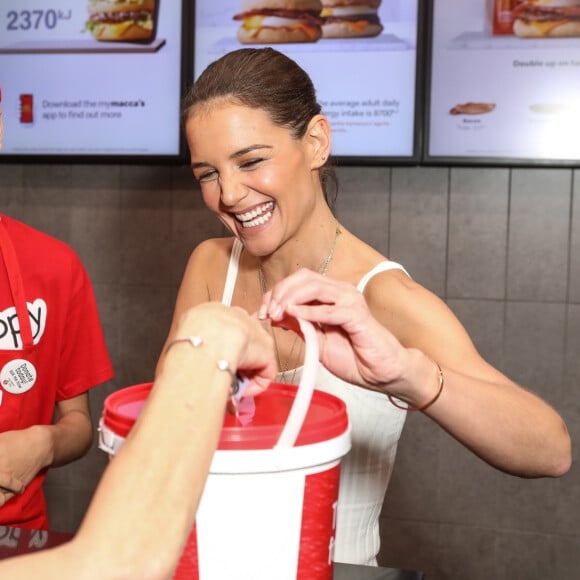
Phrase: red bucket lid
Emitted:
{"points": [[122, 408], [326, 417]]}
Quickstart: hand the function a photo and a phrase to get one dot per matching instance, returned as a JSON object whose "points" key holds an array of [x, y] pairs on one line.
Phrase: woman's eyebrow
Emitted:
{"points": [[249, 149]]}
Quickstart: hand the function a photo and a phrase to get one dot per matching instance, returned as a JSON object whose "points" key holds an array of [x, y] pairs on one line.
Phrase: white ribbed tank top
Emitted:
{"points": [[376, 429]]}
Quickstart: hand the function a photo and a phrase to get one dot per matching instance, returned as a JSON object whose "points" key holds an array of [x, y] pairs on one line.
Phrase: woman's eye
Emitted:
{"points": [[207, 176], [249, 163]]}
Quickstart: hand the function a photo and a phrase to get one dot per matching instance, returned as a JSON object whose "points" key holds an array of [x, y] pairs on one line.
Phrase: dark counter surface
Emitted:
{"points": [[351, 572], [14, 541]]}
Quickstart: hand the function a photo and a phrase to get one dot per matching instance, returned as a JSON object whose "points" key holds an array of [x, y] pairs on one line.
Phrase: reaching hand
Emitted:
{"points": [[231, 333], [353, 344]]}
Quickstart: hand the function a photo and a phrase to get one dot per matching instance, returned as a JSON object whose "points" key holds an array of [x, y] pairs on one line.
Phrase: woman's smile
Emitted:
{"points": [[257, 216]]}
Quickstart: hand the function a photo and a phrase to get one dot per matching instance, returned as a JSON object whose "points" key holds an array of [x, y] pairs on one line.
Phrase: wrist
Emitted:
{"points": [[206, 322], [43, 443], [219, 372], [421, 386]]}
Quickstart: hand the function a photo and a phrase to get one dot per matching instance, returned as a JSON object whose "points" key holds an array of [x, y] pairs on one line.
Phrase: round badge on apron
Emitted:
{"points": [[18, 376]]}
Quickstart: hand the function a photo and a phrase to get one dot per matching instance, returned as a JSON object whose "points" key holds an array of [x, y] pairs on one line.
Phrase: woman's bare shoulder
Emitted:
{"points": [[212, 248], [207, 265], [394, 288], [213, 253]]}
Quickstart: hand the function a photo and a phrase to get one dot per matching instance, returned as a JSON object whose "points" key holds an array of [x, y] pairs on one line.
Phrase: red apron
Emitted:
{"points": [[18, 376]]}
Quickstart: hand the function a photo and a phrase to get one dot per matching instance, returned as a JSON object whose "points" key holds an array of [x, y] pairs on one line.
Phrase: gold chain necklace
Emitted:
{"points": [[323, 269]]}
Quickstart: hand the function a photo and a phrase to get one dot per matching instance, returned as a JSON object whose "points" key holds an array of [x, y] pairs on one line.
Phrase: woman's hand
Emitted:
{"points": [[231, 333], [353, 344]]}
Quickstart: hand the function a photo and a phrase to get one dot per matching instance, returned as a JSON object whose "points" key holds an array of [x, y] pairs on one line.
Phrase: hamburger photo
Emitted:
{"points": [[277, 21], [122, 20], [547, 18], [350, 18]]}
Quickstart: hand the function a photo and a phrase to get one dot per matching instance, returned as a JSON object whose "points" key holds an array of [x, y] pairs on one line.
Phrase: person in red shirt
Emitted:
{"points": [[52, 351]]}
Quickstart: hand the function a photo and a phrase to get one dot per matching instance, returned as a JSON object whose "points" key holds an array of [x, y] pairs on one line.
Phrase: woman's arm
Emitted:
{"points": [[504, 424]]}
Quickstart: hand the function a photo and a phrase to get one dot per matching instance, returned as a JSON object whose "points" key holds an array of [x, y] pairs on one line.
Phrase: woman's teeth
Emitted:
{"points": [[257, 216]]}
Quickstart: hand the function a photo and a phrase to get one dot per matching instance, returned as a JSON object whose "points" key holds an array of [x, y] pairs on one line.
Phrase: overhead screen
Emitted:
{"points": [[90, 80], [496, 92], [504, 83], [367, 85]]}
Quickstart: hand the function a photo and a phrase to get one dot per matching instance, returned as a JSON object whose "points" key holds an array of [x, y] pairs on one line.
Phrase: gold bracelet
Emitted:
{"points": [[428, 403], [223, 365]]}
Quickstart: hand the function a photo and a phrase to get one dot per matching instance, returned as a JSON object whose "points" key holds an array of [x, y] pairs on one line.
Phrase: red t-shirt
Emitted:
{"points": [[68, 355]]}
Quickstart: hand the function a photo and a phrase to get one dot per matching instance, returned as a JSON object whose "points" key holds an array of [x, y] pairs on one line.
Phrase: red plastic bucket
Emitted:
{"points": [[267, 509], [265, 513]]}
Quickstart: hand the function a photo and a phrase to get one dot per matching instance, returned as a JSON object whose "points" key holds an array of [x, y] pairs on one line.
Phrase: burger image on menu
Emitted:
{"points": [[278, 21], [350, 18], [122, 20], [547, 18]]}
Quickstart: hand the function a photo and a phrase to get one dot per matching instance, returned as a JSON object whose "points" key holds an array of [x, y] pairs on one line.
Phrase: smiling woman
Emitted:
{"points": [[268, 175], [260, 150]]}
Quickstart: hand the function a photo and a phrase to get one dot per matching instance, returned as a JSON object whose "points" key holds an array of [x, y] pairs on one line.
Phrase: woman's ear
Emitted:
{"points": [[318, 140]]}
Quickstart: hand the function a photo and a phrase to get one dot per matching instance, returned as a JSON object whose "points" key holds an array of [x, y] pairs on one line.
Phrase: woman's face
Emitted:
{"points": [[258, 179]]}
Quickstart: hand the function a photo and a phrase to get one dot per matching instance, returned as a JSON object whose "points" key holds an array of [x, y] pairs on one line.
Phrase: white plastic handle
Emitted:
{"points": [[301, 403]]}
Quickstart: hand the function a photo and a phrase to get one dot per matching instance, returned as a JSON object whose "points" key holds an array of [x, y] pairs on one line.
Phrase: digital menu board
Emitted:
{"points": [[362, 59], [91, 78], [504, 82]]}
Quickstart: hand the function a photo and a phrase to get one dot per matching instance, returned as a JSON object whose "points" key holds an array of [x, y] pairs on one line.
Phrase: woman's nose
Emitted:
{"points": [[232, 190]]}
